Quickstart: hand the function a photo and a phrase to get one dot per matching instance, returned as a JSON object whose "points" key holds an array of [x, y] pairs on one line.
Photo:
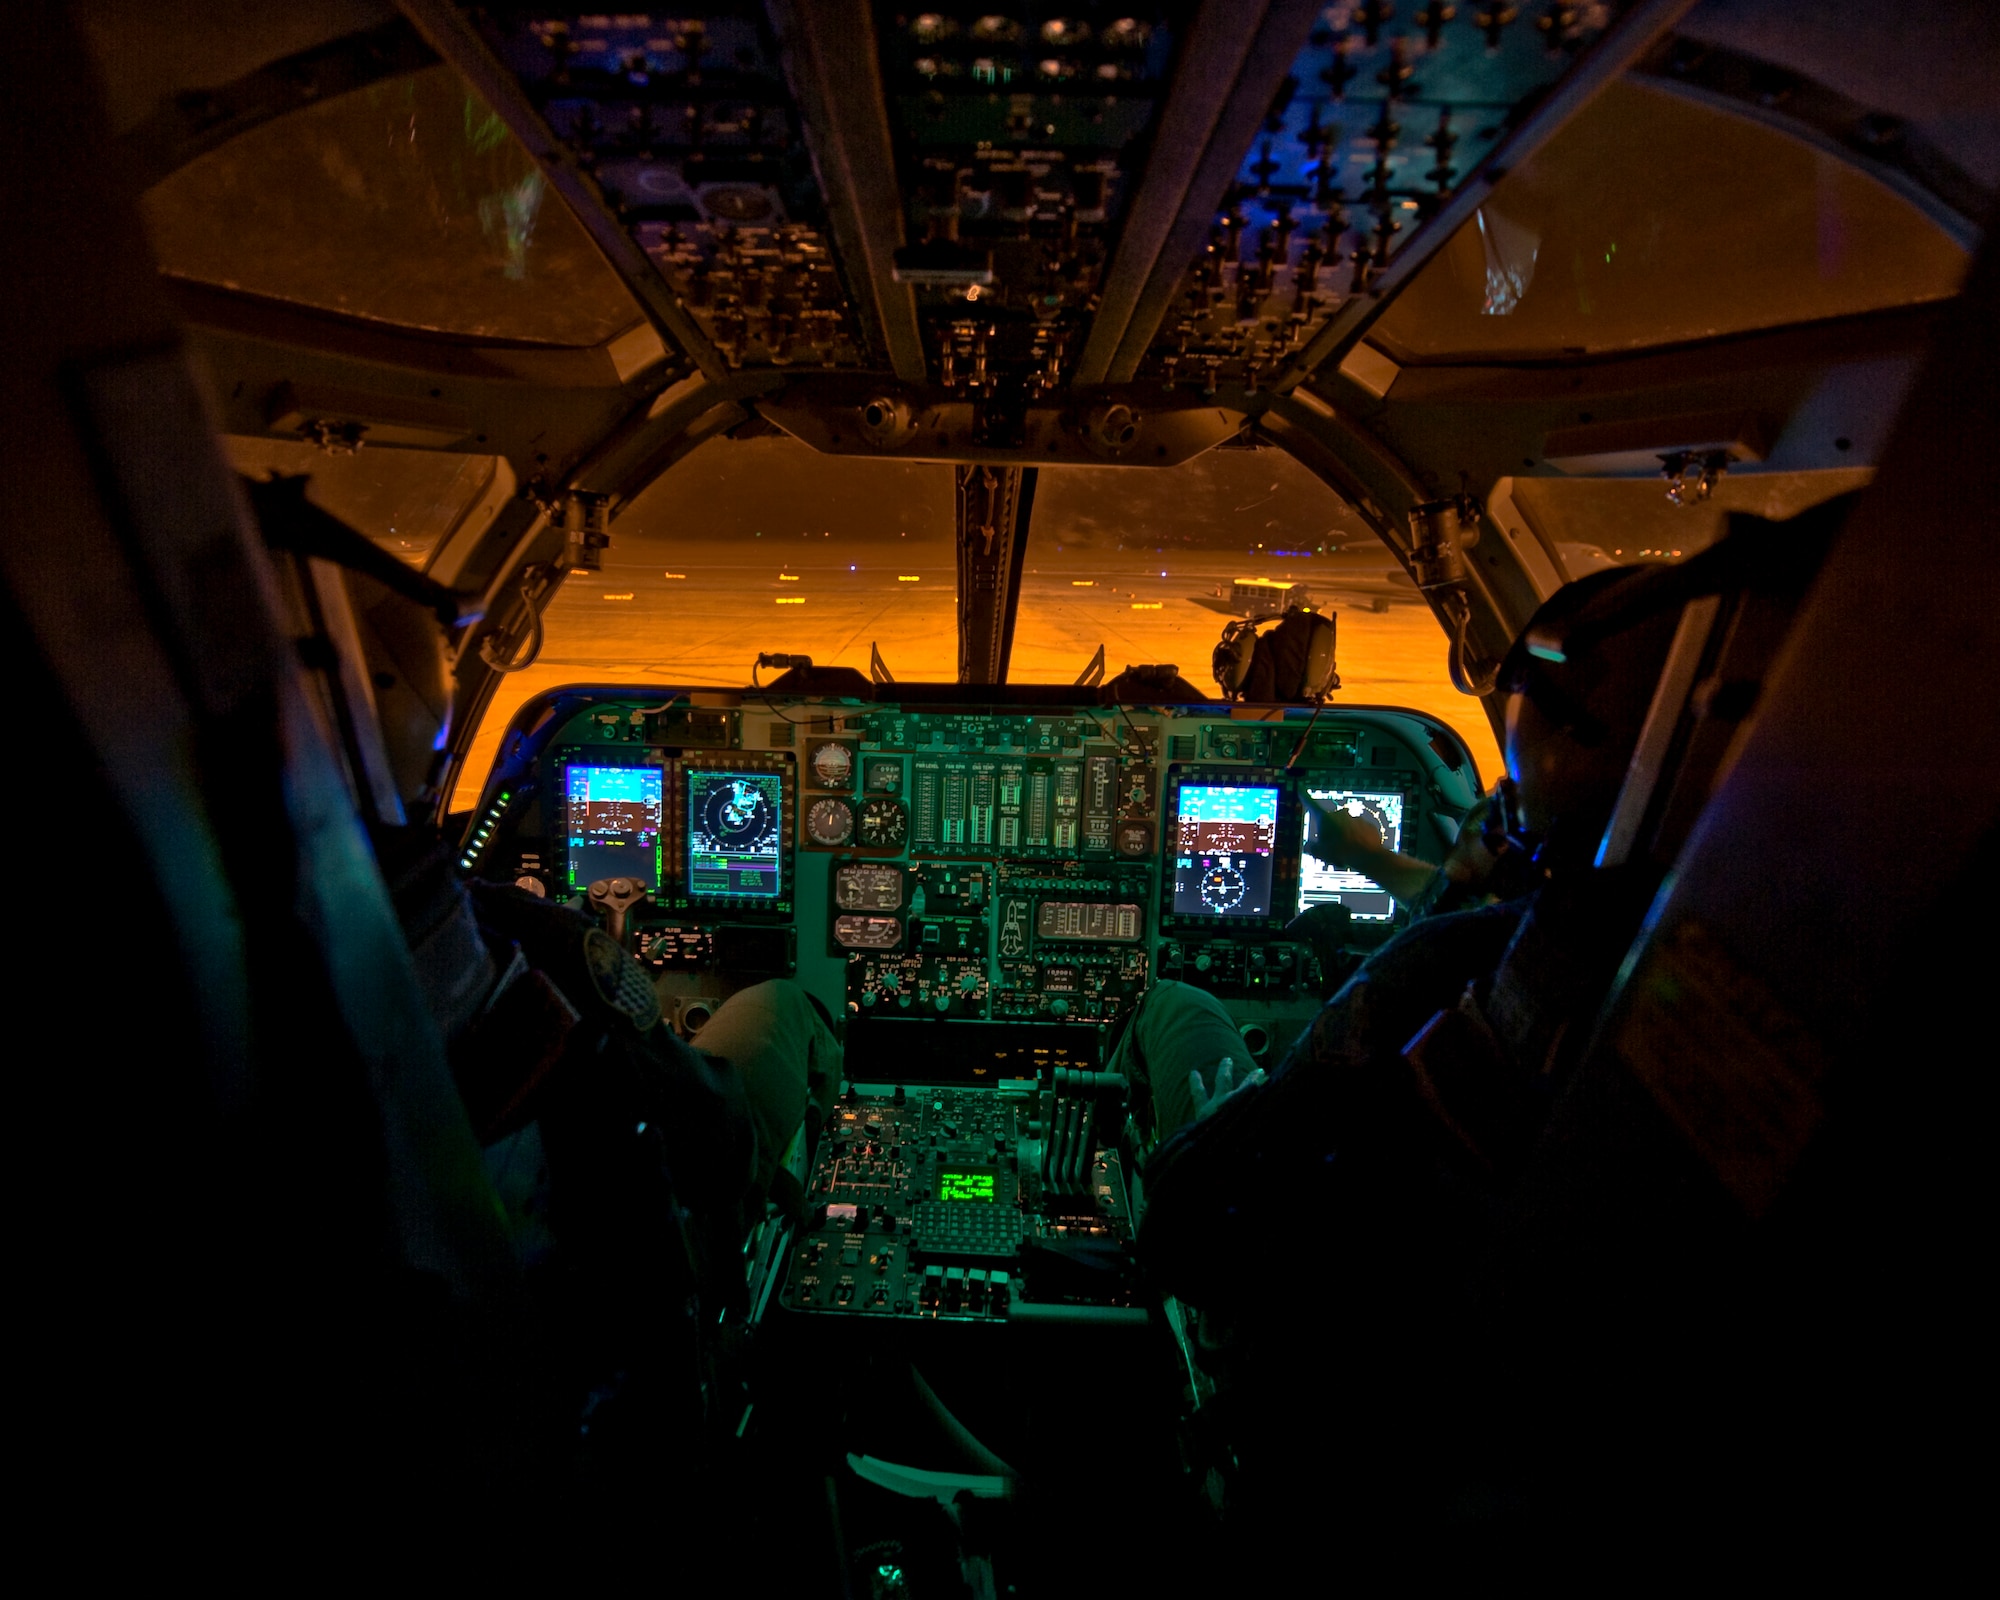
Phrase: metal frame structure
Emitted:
{"points": [[606, 422]]}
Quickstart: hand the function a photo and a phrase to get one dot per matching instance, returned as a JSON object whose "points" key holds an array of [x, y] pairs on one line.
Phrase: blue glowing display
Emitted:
{"points": [[612, 818], [735, 835], [1226, 835]]}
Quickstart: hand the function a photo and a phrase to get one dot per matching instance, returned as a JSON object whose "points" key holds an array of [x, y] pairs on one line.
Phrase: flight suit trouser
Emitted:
{"points": [[778, 1043], [1178, 1030]]}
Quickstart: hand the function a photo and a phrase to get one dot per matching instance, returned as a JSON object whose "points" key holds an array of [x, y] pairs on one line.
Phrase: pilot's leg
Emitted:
{"points": [[1177, 1030], [780, 1044]]}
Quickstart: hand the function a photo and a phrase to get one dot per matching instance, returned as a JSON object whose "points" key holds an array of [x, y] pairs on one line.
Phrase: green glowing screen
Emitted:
{"points": [[965, 1186]]}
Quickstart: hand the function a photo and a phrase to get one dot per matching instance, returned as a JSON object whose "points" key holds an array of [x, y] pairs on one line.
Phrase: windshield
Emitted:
{"points": [[405, 500], [766, 545], [1653, 219], [1154, 563], [1607, 522], [752, 546], [406, 202]]}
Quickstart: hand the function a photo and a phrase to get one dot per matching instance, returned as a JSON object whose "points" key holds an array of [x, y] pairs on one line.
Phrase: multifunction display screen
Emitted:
{"points": [[1223, 852], [734, 835], [613, 817], [1365, 899], [977, 1184]]}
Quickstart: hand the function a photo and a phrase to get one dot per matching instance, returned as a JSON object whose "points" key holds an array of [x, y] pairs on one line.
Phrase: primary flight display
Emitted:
{"points": [[1223, 850]]}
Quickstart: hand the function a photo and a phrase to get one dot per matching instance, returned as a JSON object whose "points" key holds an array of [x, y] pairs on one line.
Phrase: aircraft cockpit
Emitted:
{"points": [[703, 640]]}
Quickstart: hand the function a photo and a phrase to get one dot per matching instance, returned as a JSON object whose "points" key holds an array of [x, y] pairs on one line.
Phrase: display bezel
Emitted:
{"points": [[1284, 849], [780, 763]]}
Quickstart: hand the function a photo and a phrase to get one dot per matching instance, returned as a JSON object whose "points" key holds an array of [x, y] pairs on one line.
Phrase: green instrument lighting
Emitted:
{"points": [[966, 1186]]}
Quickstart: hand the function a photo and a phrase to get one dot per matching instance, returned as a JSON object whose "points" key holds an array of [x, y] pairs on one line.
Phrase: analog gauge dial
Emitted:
{"points": [[883, 824], [853, 932], [883, 777], [833, 766], [830, 822], [868, 888], [1221, 887]]}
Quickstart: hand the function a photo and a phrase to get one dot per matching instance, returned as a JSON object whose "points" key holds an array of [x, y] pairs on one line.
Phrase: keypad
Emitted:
{"points": [[967, 1228]]}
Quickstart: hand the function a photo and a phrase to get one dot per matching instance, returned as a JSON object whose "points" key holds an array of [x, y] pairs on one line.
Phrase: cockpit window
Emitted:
{"points": [[1656, 219], [407, 202], [405, 500], [1591, 523], [1153, 564], [748, 547], [765, 545]]}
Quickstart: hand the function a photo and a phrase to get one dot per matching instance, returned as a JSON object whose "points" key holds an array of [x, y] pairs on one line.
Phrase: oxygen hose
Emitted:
{"points": [[499, 656], [1461, 678]]}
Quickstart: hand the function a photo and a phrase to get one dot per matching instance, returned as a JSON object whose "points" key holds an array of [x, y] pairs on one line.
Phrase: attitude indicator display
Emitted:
{"points": [[612, 821], [735, 835], [1320, 881], [1227, 834]]}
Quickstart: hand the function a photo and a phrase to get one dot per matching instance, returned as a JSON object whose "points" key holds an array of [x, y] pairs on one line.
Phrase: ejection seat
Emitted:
{"points": [[1728, 1313]]}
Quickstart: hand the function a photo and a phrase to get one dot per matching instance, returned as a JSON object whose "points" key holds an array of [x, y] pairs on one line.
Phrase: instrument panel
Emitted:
{"points": [[979, 894]]}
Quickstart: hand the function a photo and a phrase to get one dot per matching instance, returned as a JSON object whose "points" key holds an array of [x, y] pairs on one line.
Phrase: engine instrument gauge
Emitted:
{"points": [[830, 822], [853, 932], [867, 887], [884, 824], [832, 765]]}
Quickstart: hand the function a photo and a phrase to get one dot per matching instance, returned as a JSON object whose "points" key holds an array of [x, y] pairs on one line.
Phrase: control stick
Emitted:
{"points": [[614, 898]]}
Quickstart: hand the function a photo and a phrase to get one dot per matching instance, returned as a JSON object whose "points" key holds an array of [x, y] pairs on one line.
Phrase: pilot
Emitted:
{"points": [[1243, 1161], [1352, 841], [1319, 1226], [630, 1165]]}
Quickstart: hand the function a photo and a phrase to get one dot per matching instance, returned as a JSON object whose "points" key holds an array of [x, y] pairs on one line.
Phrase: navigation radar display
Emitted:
{"points": [[1321, 882], [734, 834], [612, 819], [1223, 853]]}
